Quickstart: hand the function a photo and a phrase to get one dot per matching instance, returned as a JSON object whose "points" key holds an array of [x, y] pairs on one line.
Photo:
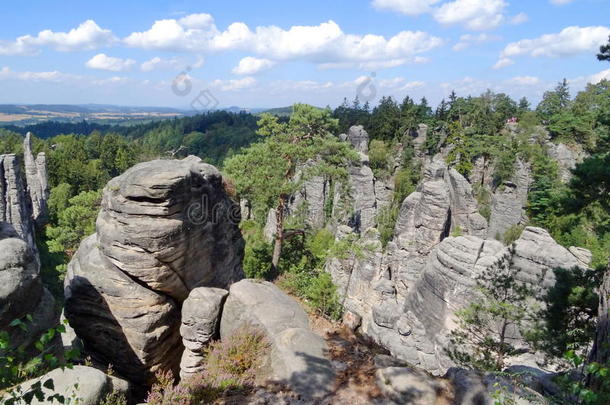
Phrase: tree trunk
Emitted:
{"points": [[601, 348], [279, 235]]}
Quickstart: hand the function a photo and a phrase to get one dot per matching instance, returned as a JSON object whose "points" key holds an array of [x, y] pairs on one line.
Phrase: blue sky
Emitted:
{"points": [[274, 53]]}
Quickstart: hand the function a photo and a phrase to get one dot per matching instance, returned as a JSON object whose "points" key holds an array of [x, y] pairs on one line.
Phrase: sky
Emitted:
{"points": [[205, 54]]}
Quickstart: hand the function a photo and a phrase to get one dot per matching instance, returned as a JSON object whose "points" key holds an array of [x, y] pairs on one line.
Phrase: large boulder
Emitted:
{"points": [[297, 355], [165, 228], [21, 290], [80, 384]]}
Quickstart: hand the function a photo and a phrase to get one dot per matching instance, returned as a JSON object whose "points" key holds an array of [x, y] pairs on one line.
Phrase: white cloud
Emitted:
{"points": [[474, 14], [561, 2], [101, 61], [519, 19], [477, 15], [503, 62], [157, 63], [87, 36], [598, 77], [408, 7], [325, 43], [524, 80], [234, 84], [111, 80], [468, 40], [570, 41], [250, 65], [52, 76]]}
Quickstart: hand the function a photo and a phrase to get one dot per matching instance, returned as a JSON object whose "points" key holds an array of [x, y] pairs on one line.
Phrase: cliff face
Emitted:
{"points": [[405, 295], [23, 198], [165, 228]]}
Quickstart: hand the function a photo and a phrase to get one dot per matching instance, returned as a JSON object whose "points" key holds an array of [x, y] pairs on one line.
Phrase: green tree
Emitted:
{"points": [[604, 51], [487, 327], [265, 172], [554, 102], [74, 223]]}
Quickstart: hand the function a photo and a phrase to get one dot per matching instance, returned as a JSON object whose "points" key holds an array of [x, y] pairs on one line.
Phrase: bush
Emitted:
{"points": [[379, 158], [230, 365], [512, 234]]}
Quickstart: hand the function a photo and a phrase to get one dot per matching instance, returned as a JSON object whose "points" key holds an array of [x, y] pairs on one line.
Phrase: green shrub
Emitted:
{"points": [[379, 158], [512, 234], [114, 398]]}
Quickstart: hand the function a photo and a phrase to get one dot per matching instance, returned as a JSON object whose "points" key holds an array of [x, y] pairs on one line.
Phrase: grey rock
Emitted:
{"points": [[475, 388], [297, 354], [36, 179], [165, 228], [584, 256], [404, 385], [270, 226], [351, 320], [566, 157], [359, 139], [508, 203], [200, 323], [80, 384]]}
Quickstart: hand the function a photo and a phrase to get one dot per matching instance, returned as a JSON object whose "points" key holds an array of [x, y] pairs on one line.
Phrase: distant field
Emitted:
{"points": [[32, 114]]}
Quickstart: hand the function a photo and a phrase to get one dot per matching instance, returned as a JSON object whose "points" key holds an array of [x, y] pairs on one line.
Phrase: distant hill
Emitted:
{"points": [[29, 114]]}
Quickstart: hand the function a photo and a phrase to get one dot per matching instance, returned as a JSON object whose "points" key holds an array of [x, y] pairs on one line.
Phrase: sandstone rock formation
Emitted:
{"points": [[413, 316], [80, 384], [567, 157], [165, 228], [36, 179], [297, 354], [21, 290], [509, 201], [200, 324]]}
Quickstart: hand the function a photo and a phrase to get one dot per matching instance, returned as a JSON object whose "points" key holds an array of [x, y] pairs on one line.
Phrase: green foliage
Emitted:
{"points": [[591, 387], [114, 398], [604, 51], [457, 231], [512, 234], [570, 306], [482, 338], [74, 223], [21, 363], [380, 158]]}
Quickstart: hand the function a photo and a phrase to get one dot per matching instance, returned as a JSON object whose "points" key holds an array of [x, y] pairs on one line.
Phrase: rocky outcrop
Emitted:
{"points": [[21, 290], [79, 384], [200, 324], [509, 202], [567, 157], [601, 351], [417, 328], [297, 354], [165, 228], [36, 179]]}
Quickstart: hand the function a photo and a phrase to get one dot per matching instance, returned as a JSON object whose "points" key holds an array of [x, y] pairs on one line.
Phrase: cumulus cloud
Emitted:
{"points": [[157, 63], [250, 65], [325, 43], [408, 7], [524, 80], [477, 15], [570, 41], [101, 61], [51, 76], [234, 84], [503, 62], [473, 14], [468, 40], [87, 36]]}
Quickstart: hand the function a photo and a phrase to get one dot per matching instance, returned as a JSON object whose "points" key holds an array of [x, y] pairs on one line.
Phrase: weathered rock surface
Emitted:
{"points": [[80, 384], [297, 354], [21, 290], [404, 385], [359, 139], [36, 179], [200, 324], [165, 228], [407, 302], [509, 201], [567, 157]]}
